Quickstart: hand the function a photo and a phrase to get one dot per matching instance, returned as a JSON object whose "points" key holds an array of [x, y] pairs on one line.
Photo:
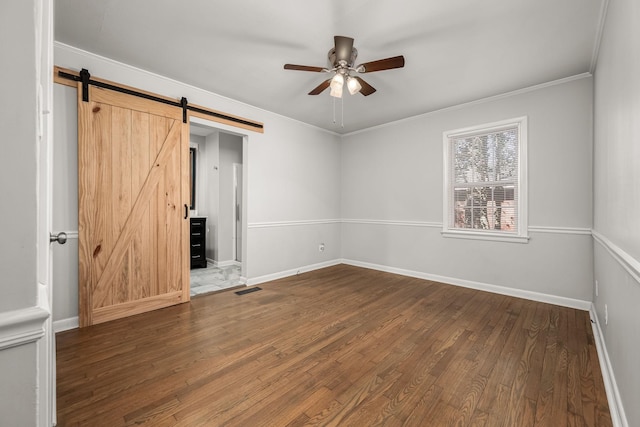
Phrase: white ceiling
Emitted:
{"points": [[456, 51]]}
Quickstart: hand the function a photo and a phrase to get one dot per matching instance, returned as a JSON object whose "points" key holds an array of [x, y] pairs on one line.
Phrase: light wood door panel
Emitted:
{"points": [[132, 187]]}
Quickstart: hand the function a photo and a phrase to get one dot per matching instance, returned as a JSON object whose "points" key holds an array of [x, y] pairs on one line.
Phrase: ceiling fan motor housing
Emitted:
{"points": [[333, 59]]}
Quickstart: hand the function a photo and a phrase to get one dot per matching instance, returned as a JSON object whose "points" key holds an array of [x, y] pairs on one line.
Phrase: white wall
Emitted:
{"points": [[617, 196], [230, 153], [293, 194], [393, 184], [211, 182], [198, 142]]}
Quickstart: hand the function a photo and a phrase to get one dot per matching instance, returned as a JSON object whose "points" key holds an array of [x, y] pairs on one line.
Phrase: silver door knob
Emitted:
{"points": [[61, 237]]}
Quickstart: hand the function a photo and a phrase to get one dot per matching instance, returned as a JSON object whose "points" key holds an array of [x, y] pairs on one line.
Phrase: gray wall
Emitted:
{"points": [[20, 358], [18, 173], [65, 202], [617, 196], [392, 195]]}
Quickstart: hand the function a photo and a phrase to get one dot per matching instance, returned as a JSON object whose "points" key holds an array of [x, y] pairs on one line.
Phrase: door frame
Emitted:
{"points": [[215, 126], [46, 358]]}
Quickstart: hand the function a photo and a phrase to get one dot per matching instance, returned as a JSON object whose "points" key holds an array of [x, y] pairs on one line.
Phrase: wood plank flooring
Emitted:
{"points": [[339, 346]]}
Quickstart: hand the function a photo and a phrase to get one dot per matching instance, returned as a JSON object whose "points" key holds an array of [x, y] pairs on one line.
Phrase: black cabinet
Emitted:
{"points": [[198, 242]]}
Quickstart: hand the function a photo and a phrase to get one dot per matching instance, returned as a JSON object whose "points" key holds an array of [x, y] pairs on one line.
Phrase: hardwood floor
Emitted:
{"points": [[339, 346]]}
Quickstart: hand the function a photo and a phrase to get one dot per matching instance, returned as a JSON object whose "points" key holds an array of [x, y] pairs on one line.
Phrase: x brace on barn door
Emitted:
{"points": [[86, 80]]}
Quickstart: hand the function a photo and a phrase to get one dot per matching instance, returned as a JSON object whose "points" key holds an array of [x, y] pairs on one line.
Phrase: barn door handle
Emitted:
{"points": [[186, 211]]}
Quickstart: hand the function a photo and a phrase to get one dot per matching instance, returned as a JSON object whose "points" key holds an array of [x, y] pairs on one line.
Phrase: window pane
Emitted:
{"points": [[485, 208], [492, 157]]}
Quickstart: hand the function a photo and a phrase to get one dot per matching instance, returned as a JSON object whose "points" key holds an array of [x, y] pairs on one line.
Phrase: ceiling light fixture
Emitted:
{"points": [[336, 85], [353, 85]]}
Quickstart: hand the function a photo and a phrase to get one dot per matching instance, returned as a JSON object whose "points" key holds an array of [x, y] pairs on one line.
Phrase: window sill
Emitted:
{"points": [[510, 238]]}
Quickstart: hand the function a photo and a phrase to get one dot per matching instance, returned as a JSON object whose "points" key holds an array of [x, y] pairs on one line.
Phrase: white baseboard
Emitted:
{"points": [[221, 264], [502, 290], [618, 416], [292, 272], [65, 324]]}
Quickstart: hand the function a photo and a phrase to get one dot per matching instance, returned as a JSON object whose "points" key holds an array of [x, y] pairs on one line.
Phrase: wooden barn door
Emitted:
{"points": [[133, 187]]}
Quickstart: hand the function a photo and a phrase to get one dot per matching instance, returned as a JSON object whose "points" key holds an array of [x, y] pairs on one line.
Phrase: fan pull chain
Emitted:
{"points": [[341, 111], [334, 110]]}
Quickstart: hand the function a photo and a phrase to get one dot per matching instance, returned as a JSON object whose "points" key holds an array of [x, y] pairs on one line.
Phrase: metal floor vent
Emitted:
{"points": [[248, 291]]}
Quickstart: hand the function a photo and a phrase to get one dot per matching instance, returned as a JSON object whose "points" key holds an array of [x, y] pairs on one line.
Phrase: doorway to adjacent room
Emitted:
{"points": [[220, 204]]}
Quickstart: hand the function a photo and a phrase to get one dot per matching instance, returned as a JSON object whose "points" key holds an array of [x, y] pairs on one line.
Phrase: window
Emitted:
{"points": [[485, 181]]}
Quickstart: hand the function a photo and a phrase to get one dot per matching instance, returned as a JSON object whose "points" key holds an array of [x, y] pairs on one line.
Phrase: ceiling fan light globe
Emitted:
{"points": [[336, 85], [338, 79], [353, 85]]}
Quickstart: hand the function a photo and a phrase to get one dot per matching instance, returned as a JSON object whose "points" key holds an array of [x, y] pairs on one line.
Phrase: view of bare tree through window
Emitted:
{"points": [[485, 178]]}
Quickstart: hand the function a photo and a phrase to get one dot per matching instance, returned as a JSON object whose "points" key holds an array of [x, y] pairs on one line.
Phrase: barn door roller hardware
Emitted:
{"points": [[85, 77]]}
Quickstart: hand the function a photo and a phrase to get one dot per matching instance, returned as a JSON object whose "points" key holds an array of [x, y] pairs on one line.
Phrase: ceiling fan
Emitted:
{"points": [[341, 62]]}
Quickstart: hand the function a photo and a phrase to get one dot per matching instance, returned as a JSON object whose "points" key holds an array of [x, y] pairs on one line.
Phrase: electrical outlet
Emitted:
{"points": [[606, 315], [321, 247], [596, 287]]}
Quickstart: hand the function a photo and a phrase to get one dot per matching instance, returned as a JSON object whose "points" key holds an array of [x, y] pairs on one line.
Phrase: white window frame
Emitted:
{"points": [[520, 235]]}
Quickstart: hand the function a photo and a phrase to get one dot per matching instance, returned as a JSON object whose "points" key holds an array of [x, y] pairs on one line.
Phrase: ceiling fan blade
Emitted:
{"points": [[367, 89], [381, 64], [344, 47], [321, 87], [303, 68]]}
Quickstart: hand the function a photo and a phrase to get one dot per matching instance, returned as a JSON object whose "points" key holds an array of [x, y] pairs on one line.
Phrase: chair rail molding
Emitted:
{"points": [[629, 263], [403, 223], [22, 326], [270, 224]]}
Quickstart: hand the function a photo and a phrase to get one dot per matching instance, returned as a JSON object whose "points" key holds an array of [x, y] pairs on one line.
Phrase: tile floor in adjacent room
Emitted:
{"points": [[212, 278]]}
